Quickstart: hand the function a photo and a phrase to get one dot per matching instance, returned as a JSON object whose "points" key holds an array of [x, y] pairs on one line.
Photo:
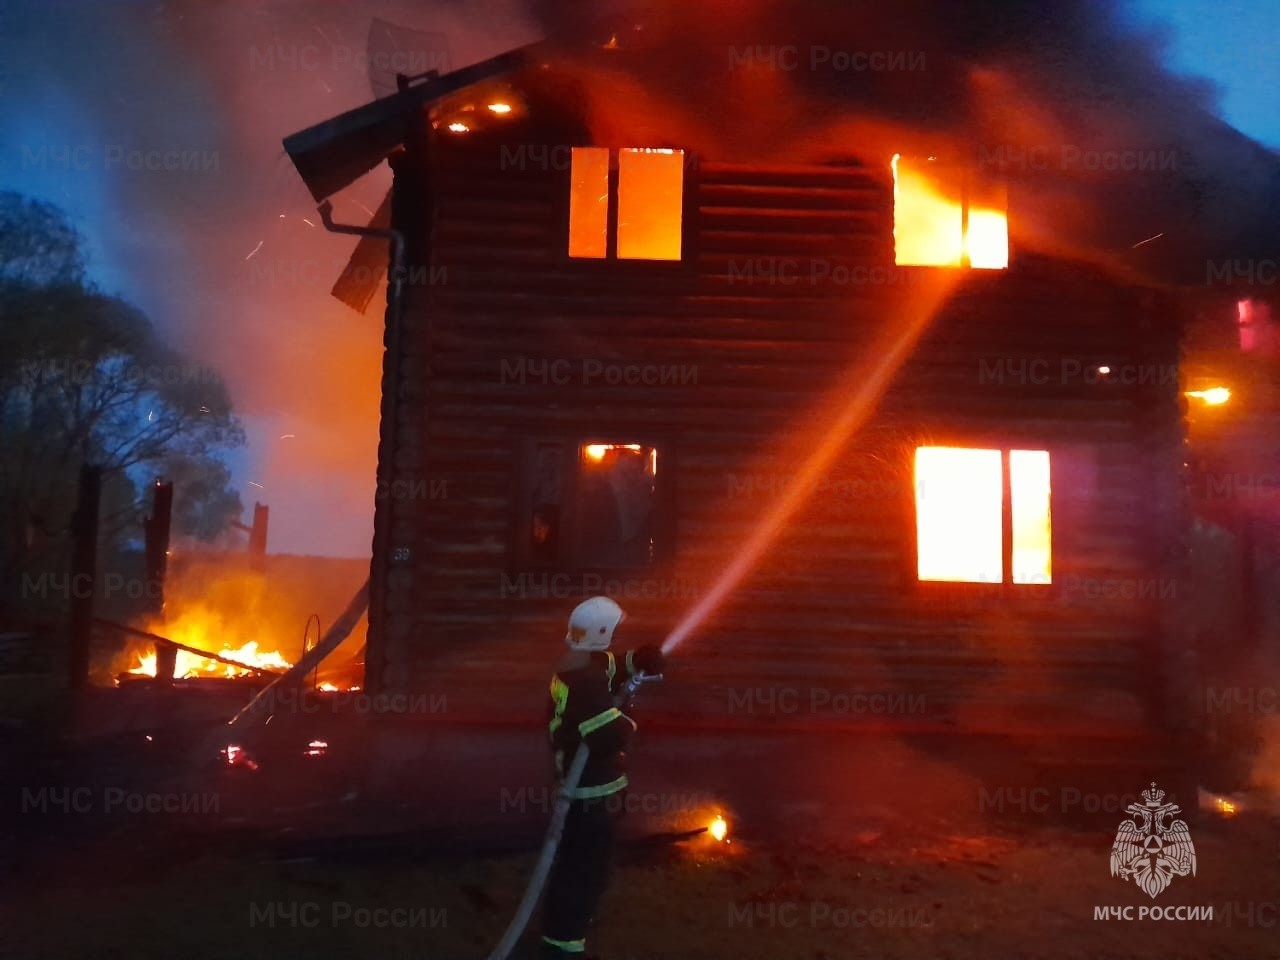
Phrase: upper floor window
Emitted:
{"points": [[942, 218], [647, 211]]}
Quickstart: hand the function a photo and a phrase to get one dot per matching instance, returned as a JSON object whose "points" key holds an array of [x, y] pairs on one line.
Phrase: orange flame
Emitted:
{"points": [[193, 665], [929, 228]]}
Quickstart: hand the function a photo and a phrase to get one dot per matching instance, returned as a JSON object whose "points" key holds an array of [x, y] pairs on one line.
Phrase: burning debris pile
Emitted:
{"points": [[258, 622], [190, 665]]}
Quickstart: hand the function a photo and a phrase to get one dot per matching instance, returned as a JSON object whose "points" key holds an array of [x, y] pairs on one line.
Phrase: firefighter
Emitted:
{"points": [[583, 709]]}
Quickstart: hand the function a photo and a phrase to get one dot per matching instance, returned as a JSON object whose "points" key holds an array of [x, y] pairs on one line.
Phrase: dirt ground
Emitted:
{"points": [[896, 890], [870, 847]]}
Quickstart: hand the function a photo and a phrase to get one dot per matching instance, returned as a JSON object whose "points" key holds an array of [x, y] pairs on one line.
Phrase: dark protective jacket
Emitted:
{"points": [[582, 708]]}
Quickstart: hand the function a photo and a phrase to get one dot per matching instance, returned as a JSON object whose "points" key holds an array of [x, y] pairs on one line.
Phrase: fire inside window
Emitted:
{"points": [[649, 203], [942, 218], [604, 514], [616, 504], [971, 503]]}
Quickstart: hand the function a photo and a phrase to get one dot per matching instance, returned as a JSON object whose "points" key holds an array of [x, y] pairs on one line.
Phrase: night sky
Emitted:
{"points": [[1235, 44], [222, 258]]}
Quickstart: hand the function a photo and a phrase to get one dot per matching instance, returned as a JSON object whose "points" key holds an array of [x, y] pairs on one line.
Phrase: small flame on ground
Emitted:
{"points": [[1225, 807], [236, 756], [718, 829], [1214, 396]]}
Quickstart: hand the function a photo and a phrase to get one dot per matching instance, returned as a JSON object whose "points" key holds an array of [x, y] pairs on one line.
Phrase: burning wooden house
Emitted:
{"points": [[946, 455]]}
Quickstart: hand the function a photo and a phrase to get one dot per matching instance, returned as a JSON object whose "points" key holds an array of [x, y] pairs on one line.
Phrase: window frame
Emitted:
{"points": [[688, 261], [521, 555], [1006, 587], [967, 177]]}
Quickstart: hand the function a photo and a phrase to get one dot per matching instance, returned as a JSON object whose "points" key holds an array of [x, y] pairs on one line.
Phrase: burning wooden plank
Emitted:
{"points": [[208, 654]]}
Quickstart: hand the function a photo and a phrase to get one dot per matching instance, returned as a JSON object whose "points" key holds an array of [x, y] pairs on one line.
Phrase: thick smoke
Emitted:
{"points": [[1102, 146], [172, 115], [220, 252]]}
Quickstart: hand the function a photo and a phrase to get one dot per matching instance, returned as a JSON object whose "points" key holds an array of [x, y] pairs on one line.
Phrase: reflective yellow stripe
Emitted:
{"points": [[568, 946], [560, 763], [603, 790], [598, 721], [611, 669], [631, 663], [560, 696]]}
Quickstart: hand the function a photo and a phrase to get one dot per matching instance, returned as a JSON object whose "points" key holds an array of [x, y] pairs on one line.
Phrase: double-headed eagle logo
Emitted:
{"points": [[1150, 851]]}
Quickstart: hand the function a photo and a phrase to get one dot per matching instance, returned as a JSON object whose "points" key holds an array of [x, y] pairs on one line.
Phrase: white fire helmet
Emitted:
{"points": [[592, 623]]}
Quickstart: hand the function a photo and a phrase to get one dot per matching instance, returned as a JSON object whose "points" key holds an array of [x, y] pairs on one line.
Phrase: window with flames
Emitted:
{"points": [[942, 217], [645, 204], [592, 504], [982, 516]]}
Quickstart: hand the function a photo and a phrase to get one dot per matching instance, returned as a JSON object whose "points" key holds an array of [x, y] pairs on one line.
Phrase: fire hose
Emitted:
{"points": [[555, 830]]}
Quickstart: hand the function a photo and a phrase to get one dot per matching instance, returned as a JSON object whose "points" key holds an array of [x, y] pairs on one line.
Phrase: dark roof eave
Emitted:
{"points": [[336, 152]]}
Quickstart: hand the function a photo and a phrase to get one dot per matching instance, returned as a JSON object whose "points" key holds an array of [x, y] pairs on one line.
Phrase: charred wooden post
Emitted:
{"points": [[156, 535], [166, 661], [258, 532], [84, 574]]}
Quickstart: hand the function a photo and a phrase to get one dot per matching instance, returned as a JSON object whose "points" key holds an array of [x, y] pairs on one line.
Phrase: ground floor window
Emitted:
{"points": [[592, 503], [983, 516]]}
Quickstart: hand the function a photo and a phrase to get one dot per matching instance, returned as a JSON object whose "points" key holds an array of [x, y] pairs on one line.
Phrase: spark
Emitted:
{"points": [[308, 223], [151, 415], [258, 247], [287, 436], [253, 483], [364, 208], [1148, 240]]}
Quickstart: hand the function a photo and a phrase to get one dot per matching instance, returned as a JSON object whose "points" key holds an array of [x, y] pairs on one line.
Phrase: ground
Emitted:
{"points": [[900, 890], [416, 839]]}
